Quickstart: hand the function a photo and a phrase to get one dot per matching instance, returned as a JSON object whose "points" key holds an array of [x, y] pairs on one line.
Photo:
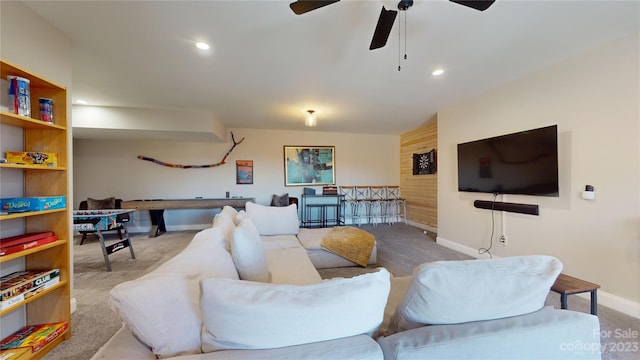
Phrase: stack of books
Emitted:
{"points": [[21, 285], [23, 242], [34, 337], [330, 190]]}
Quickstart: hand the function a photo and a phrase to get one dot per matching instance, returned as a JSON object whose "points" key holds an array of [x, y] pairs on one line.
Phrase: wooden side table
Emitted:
{"points": [[567, 285]]}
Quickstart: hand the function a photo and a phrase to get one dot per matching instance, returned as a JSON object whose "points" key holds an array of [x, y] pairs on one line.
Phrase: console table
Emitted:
{"points": [[157, 207], [321, 210]]}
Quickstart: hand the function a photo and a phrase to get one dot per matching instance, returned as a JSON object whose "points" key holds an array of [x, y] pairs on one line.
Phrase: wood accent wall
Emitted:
{"points": [[421, 191]]}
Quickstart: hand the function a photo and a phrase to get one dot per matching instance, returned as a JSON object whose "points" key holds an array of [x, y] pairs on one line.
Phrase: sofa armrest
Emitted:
{"points": [[545, 334]]}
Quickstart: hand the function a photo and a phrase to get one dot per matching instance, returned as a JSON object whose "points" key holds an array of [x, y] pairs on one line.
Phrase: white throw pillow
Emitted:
{"points": [[226, 226], [250, 315], [162, 308], [248, 253], [451, 292], [274, 220], [229, 211], [241, 216]]}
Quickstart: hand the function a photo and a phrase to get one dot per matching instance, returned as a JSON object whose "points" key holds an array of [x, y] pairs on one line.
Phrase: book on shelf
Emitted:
{"points": [[34, 337], [5, 304], [32, 243], [21, 281]]}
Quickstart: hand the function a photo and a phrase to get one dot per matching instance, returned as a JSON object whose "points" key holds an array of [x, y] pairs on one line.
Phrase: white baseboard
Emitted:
{"points": [[422, 226], [611, 301]]}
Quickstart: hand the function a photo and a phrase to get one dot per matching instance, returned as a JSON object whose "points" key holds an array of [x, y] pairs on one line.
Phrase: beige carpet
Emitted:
{"points": [[400, 249]]}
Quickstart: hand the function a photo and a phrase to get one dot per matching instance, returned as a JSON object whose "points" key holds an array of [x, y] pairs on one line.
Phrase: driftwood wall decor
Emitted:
{"points": [[223, 161]]}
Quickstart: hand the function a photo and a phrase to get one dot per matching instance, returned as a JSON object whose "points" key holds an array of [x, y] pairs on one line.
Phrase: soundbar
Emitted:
{"points": [[505, 206]]}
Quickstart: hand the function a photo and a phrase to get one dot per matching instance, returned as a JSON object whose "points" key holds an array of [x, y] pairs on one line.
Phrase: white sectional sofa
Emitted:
{"points": [[247, 289]]}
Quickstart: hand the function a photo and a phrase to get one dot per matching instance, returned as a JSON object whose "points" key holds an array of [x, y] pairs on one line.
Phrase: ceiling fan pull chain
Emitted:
{"points": [[399, 50], [405, 35]]}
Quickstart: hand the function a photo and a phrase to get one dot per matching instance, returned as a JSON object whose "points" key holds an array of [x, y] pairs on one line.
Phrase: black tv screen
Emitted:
{"points": [[523, 163]]}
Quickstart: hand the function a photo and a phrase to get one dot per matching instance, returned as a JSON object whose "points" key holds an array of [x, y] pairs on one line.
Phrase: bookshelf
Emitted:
{"points": [[52, 305]]}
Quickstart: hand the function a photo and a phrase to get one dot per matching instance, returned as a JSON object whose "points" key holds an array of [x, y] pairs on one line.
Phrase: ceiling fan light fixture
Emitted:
{"points": [[310, 120]]}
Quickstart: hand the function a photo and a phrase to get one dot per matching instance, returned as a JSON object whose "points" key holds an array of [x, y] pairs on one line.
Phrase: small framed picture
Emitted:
{"points": [[244, 171]]}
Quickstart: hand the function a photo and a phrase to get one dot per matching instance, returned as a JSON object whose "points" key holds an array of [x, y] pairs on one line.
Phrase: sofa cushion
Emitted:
{"points": [[162, 308], [291, 266], [273, 220], [451, 292], [248, 253], [544, 334], [249, 315]]}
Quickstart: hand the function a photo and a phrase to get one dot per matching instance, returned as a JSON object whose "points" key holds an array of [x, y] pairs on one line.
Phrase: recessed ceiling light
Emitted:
{"points": [[437, 72], [81, 102], [202, 45]]}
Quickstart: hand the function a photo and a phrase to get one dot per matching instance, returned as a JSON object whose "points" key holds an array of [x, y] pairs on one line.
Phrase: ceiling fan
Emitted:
{"points": [[387, 17]]}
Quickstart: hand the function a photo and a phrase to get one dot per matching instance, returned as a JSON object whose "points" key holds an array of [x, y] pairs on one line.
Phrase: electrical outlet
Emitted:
{"points": [[503, 240]]}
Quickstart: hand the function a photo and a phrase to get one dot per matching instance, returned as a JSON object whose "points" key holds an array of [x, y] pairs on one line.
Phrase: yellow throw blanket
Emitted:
{"points": [[350, 243]]}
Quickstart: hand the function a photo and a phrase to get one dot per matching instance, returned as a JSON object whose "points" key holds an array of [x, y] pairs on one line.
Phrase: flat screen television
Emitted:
{"points": [[524, 163]]}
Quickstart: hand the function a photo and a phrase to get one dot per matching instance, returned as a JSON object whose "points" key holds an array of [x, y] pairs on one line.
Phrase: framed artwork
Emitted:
{"points": [[424, 163], [244, 171], [309, 165]]}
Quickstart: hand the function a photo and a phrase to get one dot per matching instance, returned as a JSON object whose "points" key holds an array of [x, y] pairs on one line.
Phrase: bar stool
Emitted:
{"points": [[348, 194], [363, 203], [322, 215], [378, 204], [398, 205]]}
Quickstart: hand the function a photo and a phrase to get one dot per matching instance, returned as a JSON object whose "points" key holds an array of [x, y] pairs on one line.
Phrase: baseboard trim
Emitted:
{"points": [[611, 301], [423, 226]]}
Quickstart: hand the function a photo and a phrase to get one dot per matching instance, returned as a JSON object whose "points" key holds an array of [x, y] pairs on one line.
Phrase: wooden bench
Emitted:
{"points": [[567, 285]]}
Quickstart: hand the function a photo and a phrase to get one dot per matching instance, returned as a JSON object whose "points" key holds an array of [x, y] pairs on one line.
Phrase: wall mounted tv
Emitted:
{"points": [[523, 163]]}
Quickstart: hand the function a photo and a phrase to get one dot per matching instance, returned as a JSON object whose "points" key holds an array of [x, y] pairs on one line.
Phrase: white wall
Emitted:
{"points": [[110, 168], [594, 101]]}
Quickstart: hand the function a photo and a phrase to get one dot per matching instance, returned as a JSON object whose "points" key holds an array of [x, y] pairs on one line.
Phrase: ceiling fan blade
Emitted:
{"points": [[475, 4], [303, 6], [383, 28]]}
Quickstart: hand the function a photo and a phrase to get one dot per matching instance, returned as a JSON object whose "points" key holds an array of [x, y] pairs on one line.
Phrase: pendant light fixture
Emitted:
{"points": [[311, 119]]}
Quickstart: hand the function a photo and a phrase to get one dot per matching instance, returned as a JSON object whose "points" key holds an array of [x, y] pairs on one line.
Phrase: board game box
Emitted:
{"points": [[13, 205], [32, 158], [6, 250], [21, 281], [34, 337], [5, 304]]}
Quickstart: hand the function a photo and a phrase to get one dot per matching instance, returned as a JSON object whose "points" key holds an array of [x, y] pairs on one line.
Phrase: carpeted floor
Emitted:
{"points": [[400, 249]]}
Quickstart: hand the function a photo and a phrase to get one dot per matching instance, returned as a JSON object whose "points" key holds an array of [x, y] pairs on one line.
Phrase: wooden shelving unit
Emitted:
{"points": [[53, 304]]}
